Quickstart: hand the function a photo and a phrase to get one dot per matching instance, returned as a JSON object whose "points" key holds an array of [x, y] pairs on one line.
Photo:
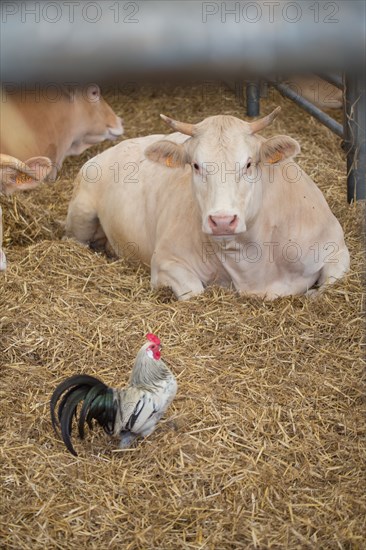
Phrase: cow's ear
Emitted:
{"points": [[12, 179], [278, 148], [172, 155], [20, 176], [40, 167]]}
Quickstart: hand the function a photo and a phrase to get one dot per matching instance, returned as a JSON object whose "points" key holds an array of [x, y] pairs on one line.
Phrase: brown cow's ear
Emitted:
{"points": [[172, 155], [18, 176], [12, 180], [278, 149], [40, 167]]}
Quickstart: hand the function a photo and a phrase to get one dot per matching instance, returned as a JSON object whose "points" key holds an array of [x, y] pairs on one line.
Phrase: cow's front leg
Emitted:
{"points": [[184, 282]]}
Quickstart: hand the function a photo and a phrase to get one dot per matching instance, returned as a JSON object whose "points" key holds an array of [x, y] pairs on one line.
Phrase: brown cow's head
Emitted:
{"points": [[95, 118]]}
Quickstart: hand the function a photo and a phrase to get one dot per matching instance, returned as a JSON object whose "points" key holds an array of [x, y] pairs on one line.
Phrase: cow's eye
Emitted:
{"points": [[196, 167], [249, 164]]}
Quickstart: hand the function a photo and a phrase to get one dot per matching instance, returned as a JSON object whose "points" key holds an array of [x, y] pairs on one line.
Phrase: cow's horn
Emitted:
{"points": [[183, 127], [258, 125]]}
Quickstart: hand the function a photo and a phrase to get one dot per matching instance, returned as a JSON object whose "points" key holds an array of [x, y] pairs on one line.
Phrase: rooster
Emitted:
{"points": [[128, 413]]}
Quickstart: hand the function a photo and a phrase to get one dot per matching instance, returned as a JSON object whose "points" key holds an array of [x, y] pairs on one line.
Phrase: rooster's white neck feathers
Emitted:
{"points": [[148, 371]]}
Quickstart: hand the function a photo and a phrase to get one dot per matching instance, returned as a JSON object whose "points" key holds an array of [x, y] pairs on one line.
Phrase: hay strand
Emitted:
{"points": [[262, 447]]}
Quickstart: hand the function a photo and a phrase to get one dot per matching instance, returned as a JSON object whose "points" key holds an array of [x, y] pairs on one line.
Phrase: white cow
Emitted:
{"points": [[223, 206], [18, 176]]}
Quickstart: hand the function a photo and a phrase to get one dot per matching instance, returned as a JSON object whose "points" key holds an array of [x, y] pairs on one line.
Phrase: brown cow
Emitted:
{"points": [[323, 94], [34, 124]]}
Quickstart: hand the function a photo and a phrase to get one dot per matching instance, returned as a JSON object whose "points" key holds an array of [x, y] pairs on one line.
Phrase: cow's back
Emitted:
{"points": [[136, 201]]}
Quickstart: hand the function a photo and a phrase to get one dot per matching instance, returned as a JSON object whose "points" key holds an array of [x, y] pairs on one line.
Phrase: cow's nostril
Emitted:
{"points": [[222, 224]]}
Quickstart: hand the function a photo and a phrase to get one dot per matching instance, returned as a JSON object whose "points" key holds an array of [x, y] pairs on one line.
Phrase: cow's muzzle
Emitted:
{"points": [[115, 131], [223, 225]]}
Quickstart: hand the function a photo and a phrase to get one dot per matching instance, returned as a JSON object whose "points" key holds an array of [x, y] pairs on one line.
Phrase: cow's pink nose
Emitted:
{"points": [[223, 225], [117, 130]]}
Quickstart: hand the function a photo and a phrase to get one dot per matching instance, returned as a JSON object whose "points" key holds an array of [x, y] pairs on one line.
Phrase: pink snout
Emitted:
{"points": [[223, 225], [116, 131]]}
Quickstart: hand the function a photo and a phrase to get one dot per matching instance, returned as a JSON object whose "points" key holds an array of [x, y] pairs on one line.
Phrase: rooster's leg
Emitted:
{"points": [[127, 438]]}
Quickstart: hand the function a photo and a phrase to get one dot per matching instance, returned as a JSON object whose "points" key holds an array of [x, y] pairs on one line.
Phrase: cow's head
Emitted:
{"points": [[96, 119], [226, 159], [19, 176]]}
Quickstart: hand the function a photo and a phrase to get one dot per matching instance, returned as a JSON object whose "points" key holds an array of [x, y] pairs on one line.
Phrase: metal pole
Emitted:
{"points": [[332, 79], [355, 135], [47, 41], [325, 119], [253, 99]]}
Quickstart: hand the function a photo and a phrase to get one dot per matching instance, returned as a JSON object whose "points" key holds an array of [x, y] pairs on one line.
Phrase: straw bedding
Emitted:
{"points": [[263, 446]]}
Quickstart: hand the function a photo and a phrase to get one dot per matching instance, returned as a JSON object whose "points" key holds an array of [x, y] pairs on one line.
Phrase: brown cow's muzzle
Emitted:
{"points": [[116, 131]]}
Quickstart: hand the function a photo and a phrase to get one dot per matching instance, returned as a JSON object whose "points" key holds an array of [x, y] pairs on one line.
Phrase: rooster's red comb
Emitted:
{"points": [[153, 338]]}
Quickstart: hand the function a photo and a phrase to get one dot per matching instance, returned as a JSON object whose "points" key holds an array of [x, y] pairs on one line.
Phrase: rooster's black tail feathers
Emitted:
{"points": [[98, 404]]}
